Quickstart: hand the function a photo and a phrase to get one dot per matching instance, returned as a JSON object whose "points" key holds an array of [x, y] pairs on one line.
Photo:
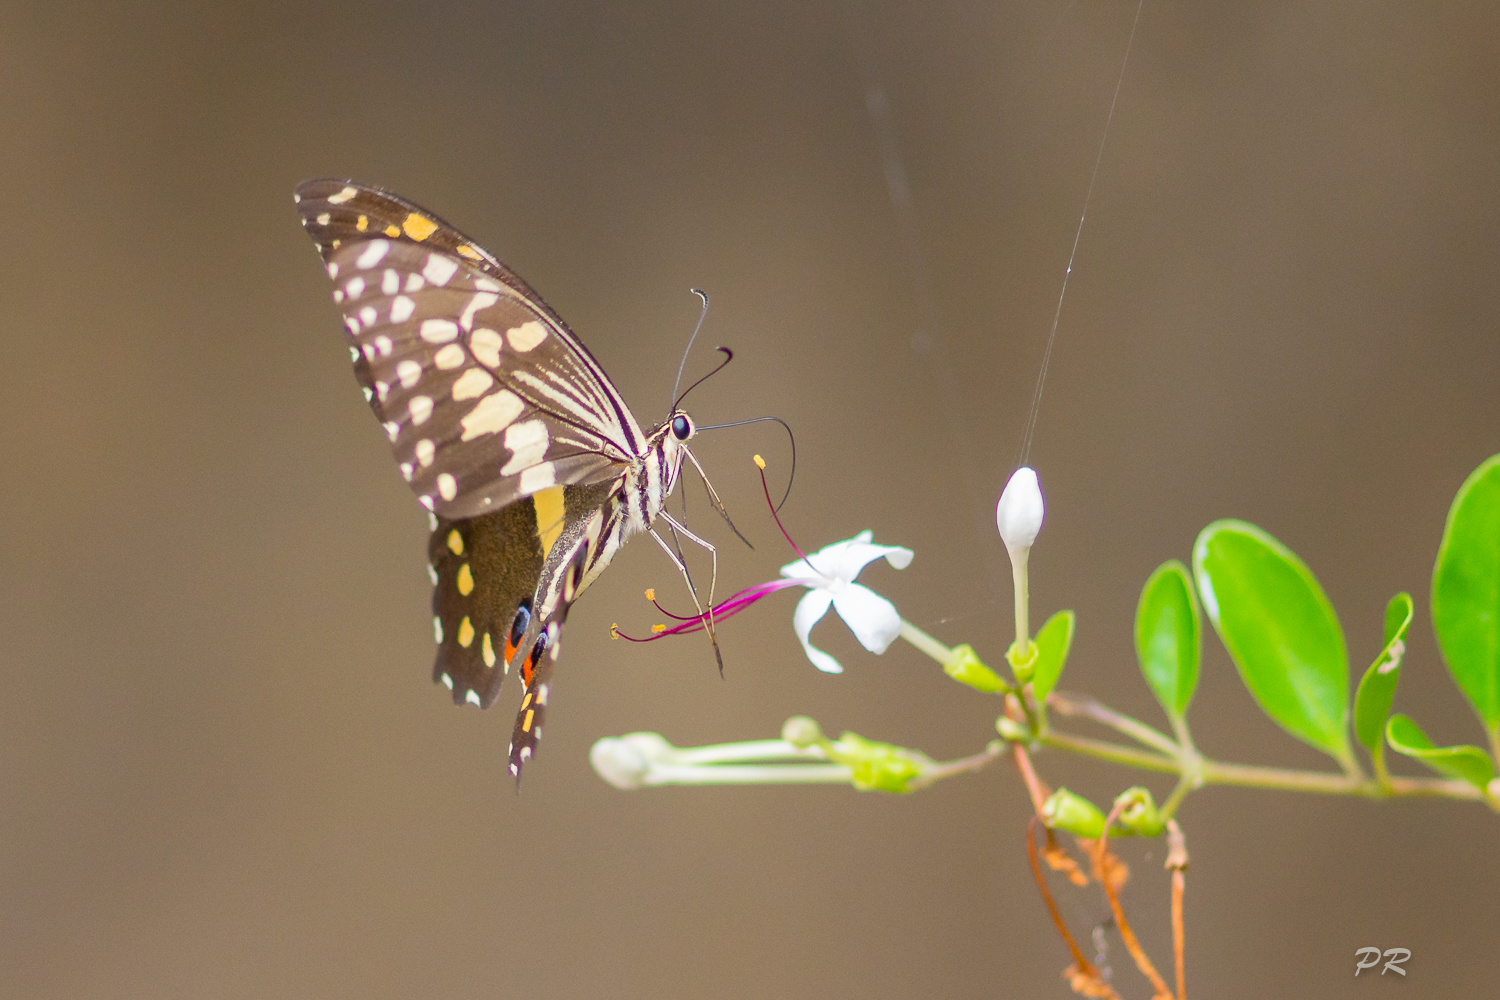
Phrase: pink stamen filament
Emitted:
{"points": [[731, 606]]}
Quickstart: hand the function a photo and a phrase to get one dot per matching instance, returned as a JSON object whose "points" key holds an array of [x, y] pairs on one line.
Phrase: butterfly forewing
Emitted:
{"points": [[484, 393]]}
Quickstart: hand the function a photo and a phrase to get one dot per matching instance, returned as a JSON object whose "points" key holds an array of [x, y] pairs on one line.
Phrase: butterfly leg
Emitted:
{"points": [[708, 616]]}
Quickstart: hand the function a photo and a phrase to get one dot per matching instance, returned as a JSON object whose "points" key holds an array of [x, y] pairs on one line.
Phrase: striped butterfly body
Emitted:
{"points": [[533, 469]]}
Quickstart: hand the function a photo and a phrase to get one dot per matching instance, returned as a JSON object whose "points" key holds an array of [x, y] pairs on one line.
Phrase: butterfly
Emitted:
{"points": [[530, 464]]}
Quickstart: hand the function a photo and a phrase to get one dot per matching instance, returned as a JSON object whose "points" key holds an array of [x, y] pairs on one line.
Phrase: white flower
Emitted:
{"points": [[829, 576], [1019, 513]]}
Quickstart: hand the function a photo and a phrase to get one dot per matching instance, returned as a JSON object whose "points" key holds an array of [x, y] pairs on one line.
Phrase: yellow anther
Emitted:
{"points": [[650, 593], [658, 629], [614, 630], [760, 461]]}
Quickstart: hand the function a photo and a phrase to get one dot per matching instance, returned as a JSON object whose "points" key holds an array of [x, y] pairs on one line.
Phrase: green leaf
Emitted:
{"points": [[1377, 689], [1280, 630], [1469, 763], [1169, 636], [1466, 591], [1052, 644]]}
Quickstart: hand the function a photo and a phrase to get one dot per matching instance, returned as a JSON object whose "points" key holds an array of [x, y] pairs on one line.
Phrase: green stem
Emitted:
{"points": [[1079, 705], [925, 643]]}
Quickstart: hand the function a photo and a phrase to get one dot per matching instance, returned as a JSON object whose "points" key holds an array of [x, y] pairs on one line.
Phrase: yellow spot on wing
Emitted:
{"points": [[465, 632], [363, 223], [488, 649], [392, 231], [456, 542], [549, 517], [466, 585], [418, 227], [526, 726], [468, 251]]}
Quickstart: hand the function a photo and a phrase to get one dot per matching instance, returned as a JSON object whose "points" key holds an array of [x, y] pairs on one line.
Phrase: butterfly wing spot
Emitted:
{"points": [[526, 337], [418, 227], [440, 269], [471, 384], [372, 254], [466, 633], [343, 196], [448, 357], [437, 623], [367, 317], [486, 345], [324, 219], [425, 450], [549, 516], [390, 284], [538, 477], [456, 542], [527, 442], [466, 587], [355, 288], [468, 251], [409, 372], [491, 414], [472, 697], [488, 649], [447, 485], [438, 330], [481, 300], [402, 308], [447, 682], [420, 408], [363, 223]]}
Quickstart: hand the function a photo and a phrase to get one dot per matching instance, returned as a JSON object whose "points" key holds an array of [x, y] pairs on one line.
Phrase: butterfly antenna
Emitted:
{"points": [[790, 436], [728, 357], [683, 363]]}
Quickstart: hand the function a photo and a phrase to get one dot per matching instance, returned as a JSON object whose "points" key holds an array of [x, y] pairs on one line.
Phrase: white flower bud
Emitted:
{"points": [[1019, 513], [626, 761]]}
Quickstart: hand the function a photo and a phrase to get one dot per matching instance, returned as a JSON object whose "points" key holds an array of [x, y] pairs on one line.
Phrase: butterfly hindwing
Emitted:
{"points": [[484, 393]]}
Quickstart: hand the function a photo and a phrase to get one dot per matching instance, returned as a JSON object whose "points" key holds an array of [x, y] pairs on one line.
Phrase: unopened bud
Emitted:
{"points": [[1019, 513]]}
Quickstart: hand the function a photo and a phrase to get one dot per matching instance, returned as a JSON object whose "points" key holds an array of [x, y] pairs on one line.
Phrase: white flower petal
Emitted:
{"points": [[810, 610], [844, 560], [871, 618], [1019, 513]]}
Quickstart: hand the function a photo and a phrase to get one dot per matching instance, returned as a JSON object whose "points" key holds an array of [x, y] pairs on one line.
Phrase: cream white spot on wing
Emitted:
{"points": [[449, 356], [425, 451], [491, 414], [342, 196], [367, 315], [351, 324], [427, 502], [414, 282], [447, 485], [333, 270], [390, 282], [420, 408], [438, 330], [527, 442], [472, 384], [355, 288], [409, 372], [486, 345], [538, 478], [383, 345], [324, 218], [381, 389], [373, 254], [437, 628], [369, 350], [526, 336], [369, 394], [482, 300], [432, 574], [338, 295], [541, 695], [407, 471], [401, 308], [392, 429], [472, 697], [439, 269], [448, 682], [486, 285]]}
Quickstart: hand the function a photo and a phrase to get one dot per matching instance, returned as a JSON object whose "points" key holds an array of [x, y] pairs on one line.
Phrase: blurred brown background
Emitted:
{"points": [[224, 771]]}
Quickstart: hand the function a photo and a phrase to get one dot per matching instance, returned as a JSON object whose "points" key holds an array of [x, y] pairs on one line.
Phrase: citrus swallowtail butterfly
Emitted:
{"points": [[533, 469]]}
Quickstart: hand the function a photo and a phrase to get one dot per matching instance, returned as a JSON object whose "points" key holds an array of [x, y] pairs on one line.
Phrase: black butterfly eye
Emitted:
{"points": [[682, 427], [518, 627]]}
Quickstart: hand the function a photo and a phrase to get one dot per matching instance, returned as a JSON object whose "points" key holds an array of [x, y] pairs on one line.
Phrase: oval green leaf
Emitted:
{"points": [[1469, 763], [1466, 591], [1169, 636], [1377, 689], [1052, 645], [1280, 630]]}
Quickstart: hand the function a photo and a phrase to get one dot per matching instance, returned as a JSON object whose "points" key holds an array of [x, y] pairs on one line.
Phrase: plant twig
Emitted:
{"points": [[1081, 705], [1132, 945], [1084, 967], [1177, 860]]}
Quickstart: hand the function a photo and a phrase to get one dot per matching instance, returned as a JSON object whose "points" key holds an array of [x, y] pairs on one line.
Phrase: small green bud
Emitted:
{"points": [[1073, 813], [802, 732], [966, 668], [878, 766], [1011, 729], [1022, 667], [1138, 816]]}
